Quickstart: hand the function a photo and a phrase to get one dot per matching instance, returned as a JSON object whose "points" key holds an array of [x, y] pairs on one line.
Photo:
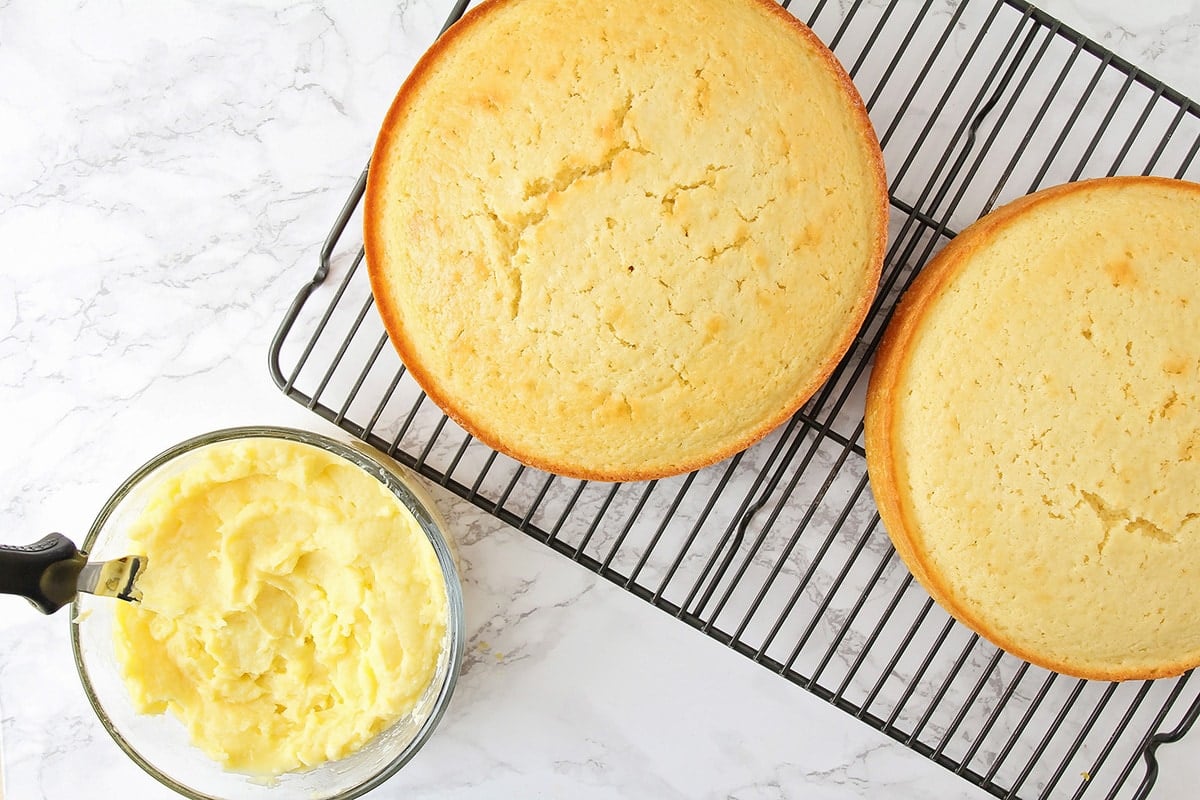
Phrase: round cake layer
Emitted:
{"points": [[618, 241], [1032, 431]]}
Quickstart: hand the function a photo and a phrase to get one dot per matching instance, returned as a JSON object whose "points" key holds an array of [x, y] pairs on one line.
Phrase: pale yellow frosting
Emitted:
{"points": [[292, 607]]}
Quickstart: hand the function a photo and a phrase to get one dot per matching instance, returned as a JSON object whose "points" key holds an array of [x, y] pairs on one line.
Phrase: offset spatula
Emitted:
{"points": [[51, 571]]}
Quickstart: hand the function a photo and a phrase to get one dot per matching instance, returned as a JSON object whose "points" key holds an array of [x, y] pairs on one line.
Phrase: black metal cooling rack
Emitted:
{"points": [[778, 552]]}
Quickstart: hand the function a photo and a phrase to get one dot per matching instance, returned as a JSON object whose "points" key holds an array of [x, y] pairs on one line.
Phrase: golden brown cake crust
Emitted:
{"points": [[885, 444], [570, 458]]}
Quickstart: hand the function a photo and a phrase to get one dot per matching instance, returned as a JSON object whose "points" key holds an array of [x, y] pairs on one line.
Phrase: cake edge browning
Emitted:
{"points": [[374, 196], [891, 362], [375, 248]]}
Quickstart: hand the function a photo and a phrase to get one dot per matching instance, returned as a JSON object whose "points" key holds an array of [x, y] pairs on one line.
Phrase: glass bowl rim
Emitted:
{"points": [[390, 477]]}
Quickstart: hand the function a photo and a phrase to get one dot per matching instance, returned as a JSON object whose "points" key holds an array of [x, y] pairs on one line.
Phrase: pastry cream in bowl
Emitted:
{"points": [[300, 627]]}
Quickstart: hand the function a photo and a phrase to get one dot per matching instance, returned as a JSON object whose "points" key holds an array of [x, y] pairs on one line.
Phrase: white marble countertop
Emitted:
{"points": [[167, 173]]}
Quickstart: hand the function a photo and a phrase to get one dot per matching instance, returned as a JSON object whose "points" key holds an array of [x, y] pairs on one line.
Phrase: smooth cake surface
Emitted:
{"points": [[1032, 429], [623, 240]]}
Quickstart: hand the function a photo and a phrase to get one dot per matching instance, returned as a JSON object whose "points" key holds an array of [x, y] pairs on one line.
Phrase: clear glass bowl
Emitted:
{"points": [[159, 743]]}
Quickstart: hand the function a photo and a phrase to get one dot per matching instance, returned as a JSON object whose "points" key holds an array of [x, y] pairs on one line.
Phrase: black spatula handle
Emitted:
{"points": [[44, 572]]}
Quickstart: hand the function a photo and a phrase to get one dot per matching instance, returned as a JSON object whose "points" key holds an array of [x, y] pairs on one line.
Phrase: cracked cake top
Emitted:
{"points": [[1032, 433], [624, 240]]}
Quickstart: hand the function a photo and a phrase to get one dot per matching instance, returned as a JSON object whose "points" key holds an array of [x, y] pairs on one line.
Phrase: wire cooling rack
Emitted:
{"points": [[778, 552]]}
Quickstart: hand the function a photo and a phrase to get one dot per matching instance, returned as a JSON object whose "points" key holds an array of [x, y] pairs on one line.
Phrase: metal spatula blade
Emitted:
{"points": [[116, 578], [52, 571]]}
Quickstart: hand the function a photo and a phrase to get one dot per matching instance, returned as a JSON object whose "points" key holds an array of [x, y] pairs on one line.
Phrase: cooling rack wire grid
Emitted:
{"points": [[778, 552]]}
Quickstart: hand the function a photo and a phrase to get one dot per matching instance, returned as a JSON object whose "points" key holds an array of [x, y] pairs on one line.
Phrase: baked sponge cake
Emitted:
{"points": [[1032, 428], [626, 239]]}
